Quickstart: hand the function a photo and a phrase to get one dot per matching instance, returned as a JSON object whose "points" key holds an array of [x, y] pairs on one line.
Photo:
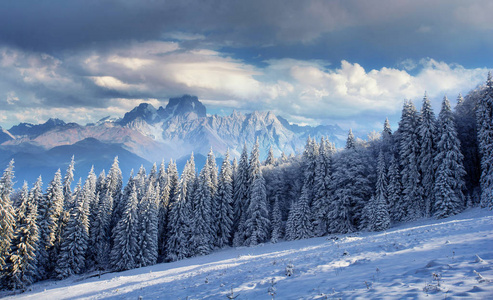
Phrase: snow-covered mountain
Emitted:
{"points": [[172, 132], [428, 259]]}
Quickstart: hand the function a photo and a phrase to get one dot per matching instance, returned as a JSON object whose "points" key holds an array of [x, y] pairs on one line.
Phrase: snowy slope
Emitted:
{"points": [[397, 264]]}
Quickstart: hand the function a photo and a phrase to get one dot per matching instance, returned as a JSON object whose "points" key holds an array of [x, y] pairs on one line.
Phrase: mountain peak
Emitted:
{"points": [[183, 105], [144, 111], [54, 122]]}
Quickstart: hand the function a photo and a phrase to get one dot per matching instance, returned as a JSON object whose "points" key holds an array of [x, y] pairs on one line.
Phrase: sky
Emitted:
{"points": [[348, 62]]}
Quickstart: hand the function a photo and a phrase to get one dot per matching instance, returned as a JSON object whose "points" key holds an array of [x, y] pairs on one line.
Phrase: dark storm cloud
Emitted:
{"points": [[57, 25]]}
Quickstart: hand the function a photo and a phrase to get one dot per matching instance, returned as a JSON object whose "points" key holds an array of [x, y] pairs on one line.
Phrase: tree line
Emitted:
{"points": [[430, 166]]}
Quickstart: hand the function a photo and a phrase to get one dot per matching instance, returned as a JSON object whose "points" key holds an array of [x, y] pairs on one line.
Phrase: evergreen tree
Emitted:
{"points": [[148, 241], [125, 244], [350, 142], [22, 261], [153, 175], [271, 160], [114, 183], [322, 192], [50, 210], [485, 140], [394, 190], [299, 220], [224, 198], [202, 228], [257, 216], [412, 202], [380, 211], [211, 164], [351, 189], [427, 133], [67, 182], [7, 216], [276, 222], [179, 224], [284, 158], [174, 182], [241, 198], [75, 238], [467, 131], [140, 182], [100, 231], [163, 209], [450, 170]]}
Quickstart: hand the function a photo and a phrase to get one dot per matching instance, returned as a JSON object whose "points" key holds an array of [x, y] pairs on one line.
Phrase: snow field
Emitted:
{"points": [[428, 259]]}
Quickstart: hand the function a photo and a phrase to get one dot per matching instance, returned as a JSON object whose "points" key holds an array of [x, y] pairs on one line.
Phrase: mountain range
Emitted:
{"points": [[146, 134]]}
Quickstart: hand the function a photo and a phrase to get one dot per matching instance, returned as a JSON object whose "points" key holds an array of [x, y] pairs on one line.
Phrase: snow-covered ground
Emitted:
{"points": [[429, 259]]}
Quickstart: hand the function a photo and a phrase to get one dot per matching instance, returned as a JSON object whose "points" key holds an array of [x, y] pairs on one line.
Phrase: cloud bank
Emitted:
{"points": [[93, 84]]}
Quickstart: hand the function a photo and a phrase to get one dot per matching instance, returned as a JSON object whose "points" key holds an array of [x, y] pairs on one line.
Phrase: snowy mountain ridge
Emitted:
{"points": [[176, 130]]}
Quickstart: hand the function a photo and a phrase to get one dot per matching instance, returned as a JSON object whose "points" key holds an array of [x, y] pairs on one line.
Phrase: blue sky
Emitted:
{"points": [[350, 63]]}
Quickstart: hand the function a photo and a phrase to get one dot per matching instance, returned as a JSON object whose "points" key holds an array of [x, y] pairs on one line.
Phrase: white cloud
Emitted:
{"points": [[310, 92], [12, 98]]}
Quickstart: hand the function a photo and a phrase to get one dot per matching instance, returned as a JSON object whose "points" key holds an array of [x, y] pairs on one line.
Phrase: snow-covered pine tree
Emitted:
{"points": [[347, 184], [449, 198], [36, 192], [394, 190], [90, 193], [73, 249], [140, 182], [485, 140], [213, 173], [211, 164], [21, 266], [152, 178], [100, 231], [202, 229], [50, 209], [412, 194], [271, 160], [299, 225], [467, 131], [99, 191], [114, 183], [300, 217], [163, 209], [427, 133], [284, 158], [380, 219], [276, 222], [67, 182], [387, 136], [257, 221], [7, 216], [148, 225], [125, 242], [174, 182], [179, 222], [224, 199], [68, 204], [241, 185], [350, 142], [322, 192]]}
